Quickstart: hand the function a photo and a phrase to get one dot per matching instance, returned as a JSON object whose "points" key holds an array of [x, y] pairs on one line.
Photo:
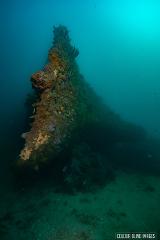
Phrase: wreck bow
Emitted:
{"points": [[66, 108], [54, 112]]}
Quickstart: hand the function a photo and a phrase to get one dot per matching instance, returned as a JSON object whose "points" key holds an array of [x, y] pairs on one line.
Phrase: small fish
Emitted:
{"points": [[23, 135]]}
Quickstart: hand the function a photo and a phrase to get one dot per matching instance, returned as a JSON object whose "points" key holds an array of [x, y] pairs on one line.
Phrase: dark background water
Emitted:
{"points": [[119, 44]]}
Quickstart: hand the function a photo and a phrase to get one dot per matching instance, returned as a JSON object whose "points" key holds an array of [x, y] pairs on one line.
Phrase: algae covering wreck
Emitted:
{"points": [[67, 116], [60, 106]]}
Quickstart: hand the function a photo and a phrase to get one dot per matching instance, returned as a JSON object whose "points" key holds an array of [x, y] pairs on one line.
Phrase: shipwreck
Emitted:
{"points": [[70, 125]]}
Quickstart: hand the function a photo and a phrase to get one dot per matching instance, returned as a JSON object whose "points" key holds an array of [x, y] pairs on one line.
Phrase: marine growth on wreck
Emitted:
{"points": [[54, 112], [69, 118]]}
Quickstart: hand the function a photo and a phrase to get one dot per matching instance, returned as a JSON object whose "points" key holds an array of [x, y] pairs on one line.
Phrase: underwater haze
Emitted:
{"points": [[109, 181], [119, 44]]}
